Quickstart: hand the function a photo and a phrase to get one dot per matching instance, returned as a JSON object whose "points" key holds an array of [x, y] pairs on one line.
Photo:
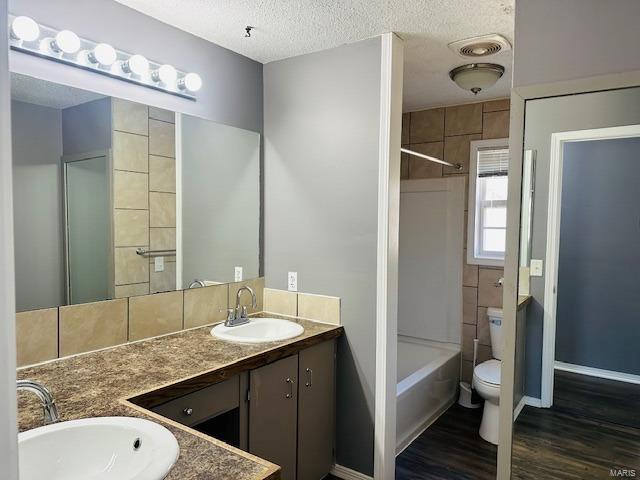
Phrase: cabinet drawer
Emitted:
{"points": [[203, 404]]}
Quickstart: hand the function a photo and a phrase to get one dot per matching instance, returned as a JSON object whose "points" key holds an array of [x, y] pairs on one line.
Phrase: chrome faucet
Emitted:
{"points": [[238, 315], [48, 404]]}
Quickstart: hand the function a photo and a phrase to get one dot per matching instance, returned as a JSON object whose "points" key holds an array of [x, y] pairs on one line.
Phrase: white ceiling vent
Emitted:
{"points": [[482, 46]]}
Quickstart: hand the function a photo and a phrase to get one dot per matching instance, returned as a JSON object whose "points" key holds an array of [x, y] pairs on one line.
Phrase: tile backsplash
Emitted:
{"points": [[320, 308]]}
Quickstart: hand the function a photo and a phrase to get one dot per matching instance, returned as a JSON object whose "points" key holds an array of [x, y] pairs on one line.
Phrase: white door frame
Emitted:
{"points": [[553, 241]]}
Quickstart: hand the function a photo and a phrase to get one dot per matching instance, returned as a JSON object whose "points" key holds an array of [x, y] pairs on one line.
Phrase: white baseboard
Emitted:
{"points": [[598, 372], [348, 474], [533, 402], [519, 407]]}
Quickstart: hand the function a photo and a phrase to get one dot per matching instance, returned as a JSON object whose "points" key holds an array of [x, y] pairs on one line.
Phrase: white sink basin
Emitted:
{"points": [[98, 449], [258, 330]]}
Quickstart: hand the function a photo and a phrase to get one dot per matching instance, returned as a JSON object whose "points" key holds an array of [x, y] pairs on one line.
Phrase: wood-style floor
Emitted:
{"points": [[593, 426]]}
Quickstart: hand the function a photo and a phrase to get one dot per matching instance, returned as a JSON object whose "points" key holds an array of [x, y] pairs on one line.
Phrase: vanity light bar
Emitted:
{"points": [[64, 46]]}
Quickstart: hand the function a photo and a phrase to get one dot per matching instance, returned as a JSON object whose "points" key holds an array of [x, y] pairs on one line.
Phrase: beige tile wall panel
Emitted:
{"points": [[162, 174], [163, 238], [154, 315], [468, 335], [130, 267], [404, 166], [495, 125], [162, 138], [280, 301], [132, 290], [204, 306], [467, 371], [164, 281], [131, 190], [130, 152], [257, 284], [463, 119], [456, 150], [91, 326], [427, 126], [130, 227], [469, 305], [162, 114], [497, 105], [319, 307], [469, 272], [484, 353], [162, 209], [420, 168], [405, 139], [129, 116], [484, 333], [36, 336], [489, 295]]}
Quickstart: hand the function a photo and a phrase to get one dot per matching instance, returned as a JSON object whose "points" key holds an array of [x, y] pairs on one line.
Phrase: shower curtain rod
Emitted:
{"points": [[457, 166]]}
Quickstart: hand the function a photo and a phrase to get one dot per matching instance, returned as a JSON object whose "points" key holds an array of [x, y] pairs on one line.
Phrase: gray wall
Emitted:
{"points": [[38, 210], [87, 127], [544, 117], [232, 89], [597, 323], [568, 39], [322, 117]]}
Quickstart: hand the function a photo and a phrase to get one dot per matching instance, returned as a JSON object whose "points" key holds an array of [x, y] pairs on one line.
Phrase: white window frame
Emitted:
{"points": [[474, 147]]}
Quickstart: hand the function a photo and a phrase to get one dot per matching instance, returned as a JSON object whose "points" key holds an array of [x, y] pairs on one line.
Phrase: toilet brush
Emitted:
{"points": [[475, 397], [468, 396]]}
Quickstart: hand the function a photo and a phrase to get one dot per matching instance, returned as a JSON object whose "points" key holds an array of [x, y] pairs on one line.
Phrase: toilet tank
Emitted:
{"points": [[495, 330]]}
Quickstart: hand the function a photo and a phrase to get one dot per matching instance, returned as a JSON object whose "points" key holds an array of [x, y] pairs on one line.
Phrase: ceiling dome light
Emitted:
{"points": [[166, 74], [137, 64], [66, 42], [191, 81], [104, 54], [476, 77], [25, 29]]}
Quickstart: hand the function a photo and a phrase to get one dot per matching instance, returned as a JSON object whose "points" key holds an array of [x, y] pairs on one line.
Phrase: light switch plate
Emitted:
{"points": [[292, 281], [535, 269], [238, 274], [158, 264]]}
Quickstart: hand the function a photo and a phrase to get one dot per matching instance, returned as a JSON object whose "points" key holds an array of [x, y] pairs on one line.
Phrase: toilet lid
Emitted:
{"points": [[488, 372]]}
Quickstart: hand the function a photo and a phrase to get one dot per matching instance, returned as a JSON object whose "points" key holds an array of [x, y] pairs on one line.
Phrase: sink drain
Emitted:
{"points": [[137, 443]]}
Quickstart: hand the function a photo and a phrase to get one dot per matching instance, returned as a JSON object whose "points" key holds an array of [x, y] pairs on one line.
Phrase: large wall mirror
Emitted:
{"points": [[114, 198]]}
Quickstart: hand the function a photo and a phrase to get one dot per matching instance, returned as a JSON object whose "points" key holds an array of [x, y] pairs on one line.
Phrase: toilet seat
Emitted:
{"points": [[488, 372]]}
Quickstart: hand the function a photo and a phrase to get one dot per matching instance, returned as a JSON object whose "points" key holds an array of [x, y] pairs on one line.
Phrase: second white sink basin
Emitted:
{"points": [[102, 448], [258, 330]]}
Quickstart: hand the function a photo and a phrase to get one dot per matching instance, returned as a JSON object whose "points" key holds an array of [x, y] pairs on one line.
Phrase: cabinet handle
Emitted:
{"points": [[290, 382], [309, 378], [188, 411]]}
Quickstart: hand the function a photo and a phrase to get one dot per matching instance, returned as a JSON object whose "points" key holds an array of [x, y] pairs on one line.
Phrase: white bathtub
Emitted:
{"points": [[428, 376]]}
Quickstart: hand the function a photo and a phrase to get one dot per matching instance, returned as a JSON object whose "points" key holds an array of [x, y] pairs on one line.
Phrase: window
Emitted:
{"points": [[487, 229]]}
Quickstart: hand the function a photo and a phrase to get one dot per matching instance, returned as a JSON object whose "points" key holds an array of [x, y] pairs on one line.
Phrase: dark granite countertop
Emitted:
{"points": [[100, 383]]}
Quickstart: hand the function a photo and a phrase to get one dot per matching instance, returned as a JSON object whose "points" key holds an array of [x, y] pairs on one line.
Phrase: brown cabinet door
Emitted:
{"points": [[273, 411], [316, 411]]}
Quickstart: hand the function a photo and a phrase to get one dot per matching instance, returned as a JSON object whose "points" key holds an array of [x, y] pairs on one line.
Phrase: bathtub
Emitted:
{"points": [[428, 375]]}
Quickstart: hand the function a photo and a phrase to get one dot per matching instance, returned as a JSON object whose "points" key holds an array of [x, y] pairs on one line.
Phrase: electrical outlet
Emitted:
{"points": [[292, 281], [238, 274], [535, 269], [158, 264]]}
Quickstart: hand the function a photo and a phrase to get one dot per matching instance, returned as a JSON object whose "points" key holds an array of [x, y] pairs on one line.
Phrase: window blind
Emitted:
{"points": [[493, 162]]}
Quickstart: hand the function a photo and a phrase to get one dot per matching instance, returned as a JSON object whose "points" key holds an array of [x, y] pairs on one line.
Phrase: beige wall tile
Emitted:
{"points": [[130, 267], [419, 168], [36, 336], [91, 326], [153, 315], [468, 335], [427, 126], [495, 125], [404, 166], [463, 119], [467, 371], [497, 105], [469, 273], [280, 301], [130, 190], [484, 353], [162, 114], [162, 174], [456, 150], [164, 281], [405, 128], [130, 152], [130, 227], [162, 138], [257, 284], [489, 295], [129, 116], [132, 290], [163, 238], [319, 307], [162, 209], [484, 335], [469, 305], [206, 305]]}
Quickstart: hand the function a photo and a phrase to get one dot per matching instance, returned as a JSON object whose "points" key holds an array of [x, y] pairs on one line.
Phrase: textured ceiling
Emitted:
{"points": [[287, 28], [47, 94]]}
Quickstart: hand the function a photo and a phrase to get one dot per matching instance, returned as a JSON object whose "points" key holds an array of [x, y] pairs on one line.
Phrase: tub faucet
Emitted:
{"points": [[48, 404], [238, 315]]}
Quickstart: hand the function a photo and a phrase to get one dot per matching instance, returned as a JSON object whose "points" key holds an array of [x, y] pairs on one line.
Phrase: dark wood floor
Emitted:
{"points": [[451, 448], [593, 426]]}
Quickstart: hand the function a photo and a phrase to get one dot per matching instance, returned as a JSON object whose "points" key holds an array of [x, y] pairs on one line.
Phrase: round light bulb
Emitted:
{"points": [[104, 54], [192, 82], [137, 64], [66, 41], [25, 29], [166, 74]]}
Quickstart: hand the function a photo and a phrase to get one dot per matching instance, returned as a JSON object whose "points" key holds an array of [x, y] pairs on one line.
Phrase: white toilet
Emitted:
{"points": [[486, 379]]}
